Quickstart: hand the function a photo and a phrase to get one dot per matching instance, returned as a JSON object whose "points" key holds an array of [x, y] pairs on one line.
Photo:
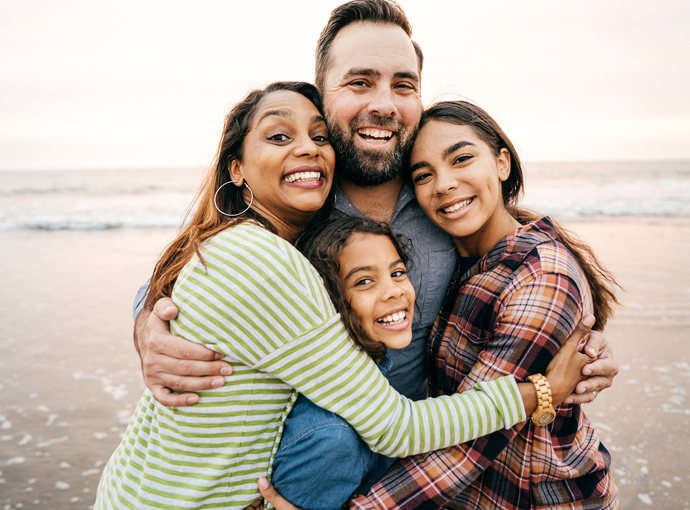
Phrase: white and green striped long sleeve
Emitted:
{"points": [[258, 301]]}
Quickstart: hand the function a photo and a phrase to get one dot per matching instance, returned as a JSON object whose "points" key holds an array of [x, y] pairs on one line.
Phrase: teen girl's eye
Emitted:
{"points": [[420, 177], [462, 159], [398, 273]]}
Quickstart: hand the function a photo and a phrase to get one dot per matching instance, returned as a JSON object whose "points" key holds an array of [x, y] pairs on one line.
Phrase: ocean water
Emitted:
{"points": [[106, 199]]}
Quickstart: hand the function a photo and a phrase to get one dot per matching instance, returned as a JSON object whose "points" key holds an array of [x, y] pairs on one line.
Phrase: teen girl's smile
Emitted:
{"points": [[457, 180], [288, 161], [377, 289]]}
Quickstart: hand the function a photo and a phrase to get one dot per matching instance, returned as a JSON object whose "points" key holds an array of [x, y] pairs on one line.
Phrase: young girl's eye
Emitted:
{"points": [[363, 281]]}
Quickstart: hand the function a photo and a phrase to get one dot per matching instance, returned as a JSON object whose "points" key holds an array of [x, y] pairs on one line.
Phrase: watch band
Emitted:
{"points": [[545, 413]]}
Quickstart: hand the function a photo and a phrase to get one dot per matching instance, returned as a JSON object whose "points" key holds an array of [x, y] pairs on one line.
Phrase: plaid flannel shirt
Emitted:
{"points": [[509, 314]]}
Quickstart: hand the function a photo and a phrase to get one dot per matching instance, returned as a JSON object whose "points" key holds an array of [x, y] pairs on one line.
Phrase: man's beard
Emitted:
{"points": [[364, 167]]}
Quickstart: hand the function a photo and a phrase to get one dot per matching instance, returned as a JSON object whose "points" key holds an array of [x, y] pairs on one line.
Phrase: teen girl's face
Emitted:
{"points": [[457, 180], [377, 288], [288, 161]]}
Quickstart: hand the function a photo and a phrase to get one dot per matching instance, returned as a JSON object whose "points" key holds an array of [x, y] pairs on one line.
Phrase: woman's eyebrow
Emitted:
{"points": [[277, 113]]}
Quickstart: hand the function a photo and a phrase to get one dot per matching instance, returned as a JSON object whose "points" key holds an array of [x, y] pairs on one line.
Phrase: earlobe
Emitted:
{"points": [[236, 172]]}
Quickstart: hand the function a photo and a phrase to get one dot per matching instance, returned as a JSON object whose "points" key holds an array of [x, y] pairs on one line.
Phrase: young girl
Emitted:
{"points": [[321, 461], [243, 290], [521, 285]]}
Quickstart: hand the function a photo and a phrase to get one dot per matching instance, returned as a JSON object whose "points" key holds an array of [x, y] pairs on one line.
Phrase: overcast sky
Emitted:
{"points": [[127, 84]]}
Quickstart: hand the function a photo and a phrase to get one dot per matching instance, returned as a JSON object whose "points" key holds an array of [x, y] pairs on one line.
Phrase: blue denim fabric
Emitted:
{"points": [[322, 460], [140, 299]]}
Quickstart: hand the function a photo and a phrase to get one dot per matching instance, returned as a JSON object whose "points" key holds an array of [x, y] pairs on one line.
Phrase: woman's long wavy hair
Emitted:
{"points": [[204, 220], [322, 243], [600, 280]]}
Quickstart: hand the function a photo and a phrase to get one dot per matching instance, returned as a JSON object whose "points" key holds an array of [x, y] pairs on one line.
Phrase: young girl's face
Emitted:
{"points": [[457, 180], [377, 288]]}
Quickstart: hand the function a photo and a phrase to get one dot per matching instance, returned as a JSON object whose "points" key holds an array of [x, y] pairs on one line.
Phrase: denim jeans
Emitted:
{"points": [[322, 461]]}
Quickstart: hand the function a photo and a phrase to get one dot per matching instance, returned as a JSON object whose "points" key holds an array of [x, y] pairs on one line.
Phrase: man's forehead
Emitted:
{"points": [[373, 47]]}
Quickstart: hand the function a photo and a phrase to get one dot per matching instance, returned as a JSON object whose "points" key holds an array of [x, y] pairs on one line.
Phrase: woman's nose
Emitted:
{"points": [[306, 147]]}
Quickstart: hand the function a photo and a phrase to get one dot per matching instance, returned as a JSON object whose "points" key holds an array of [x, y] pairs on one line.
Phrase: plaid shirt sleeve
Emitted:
{"points": [[536, 315]]}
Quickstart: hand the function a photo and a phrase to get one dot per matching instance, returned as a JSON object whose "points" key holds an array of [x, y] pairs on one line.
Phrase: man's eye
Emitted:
{"points": [[358, 83], [278, 138]]}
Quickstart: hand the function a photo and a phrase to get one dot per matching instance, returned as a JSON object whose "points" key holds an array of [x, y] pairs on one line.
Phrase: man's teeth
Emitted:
{"points": [[303, 176], [457, 206], [394, 318], [376, 135]]}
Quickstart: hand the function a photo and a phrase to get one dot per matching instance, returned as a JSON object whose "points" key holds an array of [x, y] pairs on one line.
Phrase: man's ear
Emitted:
{"points": [[503, 162], [236, 172]]}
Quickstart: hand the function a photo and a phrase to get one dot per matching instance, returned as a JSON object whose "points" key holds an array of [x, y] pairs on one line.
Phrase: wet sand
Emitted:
{"points": [[69, 376]]}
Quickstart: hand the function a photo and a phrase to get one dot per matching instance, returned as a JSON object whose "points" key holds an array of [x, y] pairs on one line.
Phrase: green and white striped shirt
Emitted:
{"points": [[258, 301]]}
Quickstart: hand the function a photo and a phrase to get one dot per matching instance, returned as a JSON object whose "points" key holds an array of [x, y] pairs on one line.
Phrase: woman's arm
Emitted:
{"points": [[265, 306], [534, 321]]}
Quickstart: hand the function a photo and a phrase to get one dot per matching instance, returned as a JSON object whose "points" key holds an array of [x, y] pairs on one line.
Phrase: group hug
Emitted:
{"points": [[358, 313]]}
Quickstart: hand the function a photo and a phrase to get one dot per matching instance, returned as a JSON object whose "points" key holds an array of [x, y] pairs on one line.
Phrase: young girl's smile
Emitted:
{"points": [[377, 288]]}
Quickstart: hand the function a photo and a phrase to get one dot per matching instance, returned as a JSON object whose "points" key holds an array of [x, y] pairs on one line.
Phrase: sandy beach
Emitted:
{"points": [[69, 376]]}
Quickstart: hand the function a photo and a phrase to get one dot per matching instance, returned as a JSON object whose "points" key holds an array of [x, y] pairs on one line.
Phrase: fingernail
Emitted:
{"points": [[587, 371], [192, 400], [568, 401], [217, 355], [169, 309], [225, 371], [263, 483], [588, 321], [217, 382]]}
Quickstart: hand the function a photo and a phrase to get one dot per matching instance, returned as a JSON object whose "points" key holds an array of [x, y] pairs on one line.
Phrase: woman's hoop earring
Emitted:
{"points": [[215, 197]]}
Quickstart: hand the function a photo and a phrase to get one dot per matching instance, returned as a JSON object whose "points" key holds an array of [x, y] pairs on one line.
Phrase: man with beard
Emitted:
{"points": [[369, 72]]}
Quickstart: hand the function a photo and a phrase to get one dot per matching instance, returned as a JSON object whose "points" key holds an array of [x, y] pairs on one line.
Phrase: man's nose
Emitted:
{"points": [[382, 102]]}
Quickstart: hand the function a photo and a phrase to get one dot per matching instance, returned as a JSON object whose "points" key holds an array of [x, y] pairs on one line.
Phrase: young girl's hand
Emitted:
{"points": [[565, 370]]}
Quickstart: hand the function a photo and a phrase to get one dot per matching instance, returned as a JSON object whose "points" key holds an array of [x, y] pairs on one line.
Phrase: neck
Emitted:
{"points": [[478, 244], [374, 202]]}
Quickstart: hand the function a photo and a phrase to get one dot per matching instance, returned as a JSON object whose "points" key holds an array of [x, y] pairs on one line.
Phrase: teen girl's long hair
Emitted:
{"points": [[600, 280], [204, 220]]}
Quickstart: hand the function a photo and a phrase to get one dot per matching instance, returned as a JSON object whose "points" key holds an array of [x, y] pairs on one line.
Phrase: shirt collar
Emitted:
{"points": [[514, 248], [343, 204]]}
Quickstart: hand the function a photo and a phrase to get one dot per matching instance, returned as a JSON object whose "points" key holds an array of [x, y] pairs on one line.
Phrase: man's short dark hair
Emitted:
{"points": [[374, 11]]}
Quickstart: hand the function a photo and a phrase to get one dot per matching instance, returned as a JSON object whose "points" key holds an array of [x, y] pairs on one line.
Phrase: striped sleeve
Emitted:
{"points": [[260, 302]]}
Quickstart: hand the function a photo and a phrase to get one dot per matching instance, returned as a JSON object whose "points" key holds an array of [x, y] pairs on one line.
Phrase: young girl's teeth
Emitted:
{"points": [[394, 318], [303, 176], [457, 206]]}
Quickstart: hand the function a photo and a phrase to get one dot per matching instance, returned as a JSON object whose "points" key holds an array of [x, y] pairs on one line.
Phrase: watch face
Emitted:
{"points": [[546, 418]]}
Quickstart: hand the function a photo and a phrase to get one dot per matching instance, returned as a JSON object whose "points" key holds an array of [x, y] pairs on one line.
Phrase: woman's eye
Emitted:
{"points": [[462, 159], [278, 138], [320, 139]]}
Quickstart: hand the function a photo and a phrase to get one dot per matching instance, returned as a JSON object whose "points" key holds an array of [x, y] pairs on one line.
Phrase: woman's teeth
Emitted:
{"points": [[394, 318], [375, 135], [458, 206], [303, 176]]}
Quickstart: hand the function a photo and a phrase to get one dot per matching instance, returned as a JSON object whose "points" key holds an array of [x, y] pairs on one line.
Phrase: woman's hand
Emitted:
{"points": [[171, 363], [566, 368]]}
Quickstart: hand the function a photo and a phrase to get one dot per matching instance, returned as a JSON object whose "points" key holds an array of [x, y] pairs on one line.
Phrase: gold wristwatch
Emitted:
{"points": [[545, 412]]}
